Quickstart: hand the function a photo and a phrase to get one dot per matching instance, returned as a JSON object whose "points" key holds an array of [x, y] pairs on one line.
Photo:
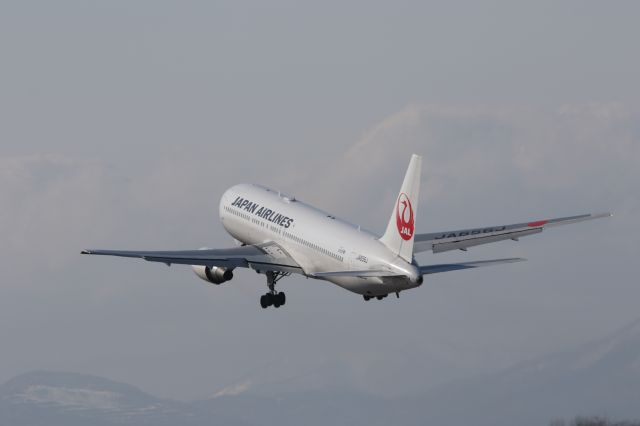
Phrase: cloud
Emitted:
{"points": [[54, 205], [482, 166], [234, 390], [50, 201], [585, 154]]}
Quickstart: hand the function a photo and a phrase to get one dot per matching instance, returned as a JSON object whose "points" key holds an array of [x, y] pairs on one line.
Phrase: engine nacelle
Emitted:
{"points": [[214, 274]]}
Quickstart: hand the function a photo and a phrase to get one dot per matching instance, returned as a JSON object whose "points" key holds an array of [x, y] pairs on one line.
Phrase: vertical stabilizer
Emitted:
{"points": [[401, 228]]}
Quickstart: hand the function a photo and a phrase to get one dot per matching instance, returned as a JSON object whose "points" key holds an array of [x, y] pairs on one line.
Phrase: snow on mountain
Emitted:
{"points": [[69, 397], [50, 398]]}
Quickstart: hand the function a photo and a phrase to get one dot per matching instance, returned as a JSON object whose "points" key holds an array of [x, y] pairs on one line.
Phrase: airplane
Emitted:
{"points": [[279, 235]]}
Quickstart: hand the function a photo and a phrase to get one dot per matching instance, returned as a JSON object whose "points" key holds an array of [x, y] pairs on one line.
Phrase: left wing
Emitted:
{"points": [[259, 257], [460, 240]]}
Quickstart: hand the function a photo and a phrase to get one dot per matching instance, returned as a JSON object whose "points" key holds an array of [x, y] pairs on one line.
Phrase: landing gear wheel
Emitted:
{"points": [[273, 298], [368, 297], [264, 302]]}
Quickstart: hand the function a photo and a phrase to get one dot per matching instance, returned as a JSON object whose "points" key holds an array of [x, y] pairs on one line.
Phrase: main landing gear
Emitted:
{"points": [[367, 297], [273, 298]]}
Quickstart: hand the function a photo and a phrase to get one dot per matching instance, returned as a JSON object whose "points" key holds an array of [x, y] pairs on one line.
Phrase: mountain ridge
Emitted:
{"points": [[600, 377]]}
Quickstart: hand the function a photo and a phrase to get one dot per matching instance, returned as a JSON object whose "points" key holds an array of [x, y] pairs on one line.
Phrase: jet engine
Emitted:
{"points": [[213, 274]]}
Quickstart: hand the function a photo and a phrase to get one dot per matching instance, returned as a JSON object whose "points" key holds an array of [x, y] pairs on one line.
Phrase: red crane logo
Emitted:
{"points": [[404, 217]]}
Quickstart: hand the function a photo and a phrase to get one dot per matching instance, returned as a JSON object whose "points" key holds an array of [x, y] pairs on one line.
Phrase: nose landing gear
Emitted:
{"points": [[273, 298]]}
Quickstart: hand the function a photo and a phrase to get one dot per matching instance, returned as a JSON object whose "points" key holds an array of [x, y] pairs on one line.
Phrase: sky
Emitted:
{"points": [[123, 122]]}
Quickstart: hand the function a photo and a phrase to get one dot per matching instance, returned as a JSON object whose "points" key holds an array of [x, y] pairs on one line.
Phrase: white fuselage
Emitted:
{"points": [[316, 240]]}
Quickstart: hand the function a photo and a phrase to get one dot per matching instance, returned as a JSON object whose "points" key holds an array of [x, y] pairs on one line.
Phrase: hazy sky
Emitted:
{"points": [[123, 122]]}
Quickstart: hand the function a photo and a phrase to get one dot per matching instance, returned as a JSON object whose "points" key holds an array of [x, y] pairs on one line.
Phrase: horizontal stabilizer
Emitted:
{"points": [[446, 267], [424, 270]]}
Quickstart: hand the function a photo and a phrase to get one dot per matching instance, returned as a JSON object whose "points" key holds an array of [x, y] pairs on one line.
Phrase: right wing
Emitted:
{"points": [[269, 256], [460, 240]]}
